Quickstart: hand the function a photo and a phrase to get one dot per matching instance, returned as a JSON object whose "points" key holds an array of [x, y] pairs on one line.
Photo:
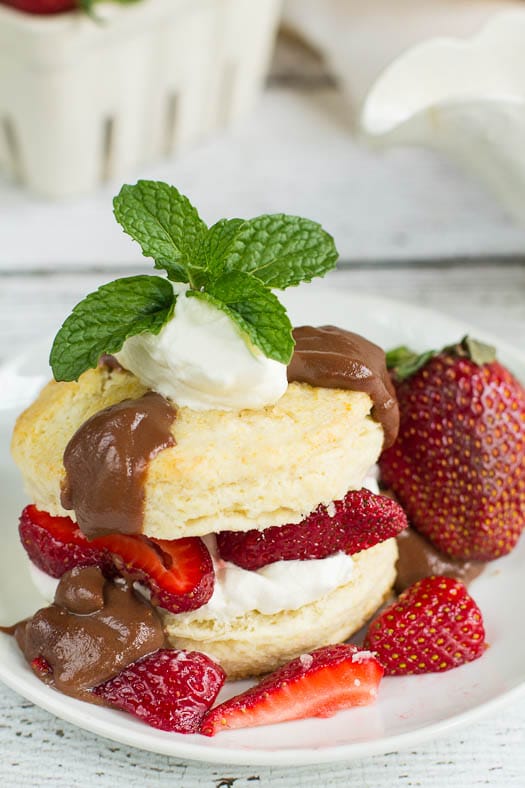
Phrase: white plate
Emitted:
{"points": [[409, 710]]}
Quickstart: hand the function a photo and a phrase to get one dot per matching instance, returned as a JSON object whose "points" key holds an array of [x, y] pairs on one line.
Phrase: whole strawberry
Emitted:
{"points": [[458, 464], [434, 626]]}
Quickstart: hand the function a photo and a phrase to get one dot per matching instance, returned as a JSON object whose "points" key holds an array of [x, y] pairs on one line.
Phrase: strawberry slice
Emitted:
{"points": [[319, 684], [361, 520], [434, 626], [41, 667], [56, 544], [169, 690], [178, 573]]}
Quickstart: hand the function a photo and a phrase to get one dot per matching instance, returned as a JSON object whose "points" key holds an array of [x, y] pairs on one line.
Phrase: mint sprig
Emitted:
{"points": [[233, 265]]}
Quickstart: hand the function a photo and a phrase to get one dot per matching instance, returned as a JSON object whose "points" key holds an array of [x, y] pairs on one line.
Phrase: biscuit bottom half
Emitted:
{"points": [[253, 643]]}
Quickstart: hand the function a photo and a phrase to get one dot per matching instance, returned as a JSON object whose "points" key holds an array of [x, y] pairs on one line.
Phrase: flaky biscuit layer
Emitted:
{"points": [[229, 470]]}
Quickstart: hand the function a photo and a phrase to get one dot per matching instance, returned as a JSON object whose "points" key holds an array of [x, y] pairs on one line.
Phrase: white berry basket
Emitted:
{"points": [[83, 101]]}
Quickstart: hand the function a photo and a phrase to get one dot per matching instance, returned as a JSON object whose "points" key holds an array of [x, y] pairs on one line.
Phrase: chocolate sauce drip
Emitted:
{"points": [[110, 362], [9, 630], [332, 358], [418, 558], [106, 462], [94, 629], [82, 592]]}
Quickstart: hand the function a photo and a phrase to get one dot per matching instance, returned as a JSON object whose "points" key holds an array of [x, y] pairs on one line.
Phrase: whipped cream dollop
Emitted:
{"points": [[200, 360]]}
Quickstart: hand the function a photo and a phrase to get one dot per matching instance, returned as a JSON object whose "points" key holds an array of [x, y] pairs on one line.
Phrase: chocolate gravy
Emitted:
{"points": [[8, 630], [418, 558], [94, 629], [106, 463], [330, 357], [110, 362]]}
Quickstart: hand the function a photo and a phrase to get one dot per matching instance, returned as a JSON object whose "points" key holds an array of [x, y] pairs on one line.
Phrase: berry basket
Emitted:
{"points": [[82, 101]]}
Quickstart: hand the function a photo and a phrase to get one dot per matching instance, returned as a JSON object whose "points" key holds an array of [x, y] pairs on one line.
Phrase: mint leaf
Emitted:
{"points": [[165, 224], [219, 242], [256, 311], [106, 318], [280, 250]]}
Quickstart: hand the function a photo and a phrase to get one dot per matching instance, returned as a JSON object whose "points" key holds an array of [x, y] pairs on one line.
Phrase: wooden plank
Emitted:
{"points": [[492, 297]]}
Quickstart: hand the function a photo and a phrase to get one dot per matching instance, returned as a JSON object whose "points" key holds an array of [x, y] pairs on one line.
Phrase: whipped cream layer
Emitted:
{"points": [[283, 585], [200, 360]]}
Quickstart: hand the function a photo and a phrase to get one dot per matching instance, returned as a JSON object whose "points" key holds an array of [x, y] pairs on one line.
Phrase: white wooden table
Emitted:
{"points": [[408, 206]]}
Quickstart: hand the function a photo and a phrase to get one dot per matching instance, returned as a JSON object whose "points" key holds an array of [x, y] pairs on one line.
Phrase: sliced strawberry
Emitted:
{"points": [[361, 520], [178, 573], [41, 667], [56, 544], [314, 685], [170, 690], [434, 626]]}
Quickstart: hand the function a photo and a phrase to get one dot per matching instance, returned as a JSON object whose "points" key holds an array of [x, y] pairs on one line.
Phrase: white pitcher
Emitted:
{"points": [[465, 97], [360, 38]]}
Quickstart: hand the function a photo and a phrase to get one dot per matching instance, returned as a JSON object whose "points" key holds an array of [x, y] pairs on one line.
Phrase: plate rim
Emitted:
{"points": [[245, 756]]}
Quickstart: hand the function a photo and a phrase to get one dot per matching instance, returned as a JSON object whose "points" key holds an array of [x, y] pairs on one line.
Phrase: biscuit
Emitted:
{"points": [[229, 470]]}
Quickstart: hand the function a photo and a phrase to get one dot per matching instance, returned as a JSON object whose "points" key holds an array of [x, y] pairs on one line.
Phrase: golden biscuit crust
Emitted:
{"points": [[229, 470]]}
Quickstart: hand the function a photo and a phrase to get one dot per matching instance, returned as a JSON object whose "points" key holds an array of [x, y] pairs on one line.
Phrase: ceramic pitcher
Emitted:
{"points": [[465, 97]]}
